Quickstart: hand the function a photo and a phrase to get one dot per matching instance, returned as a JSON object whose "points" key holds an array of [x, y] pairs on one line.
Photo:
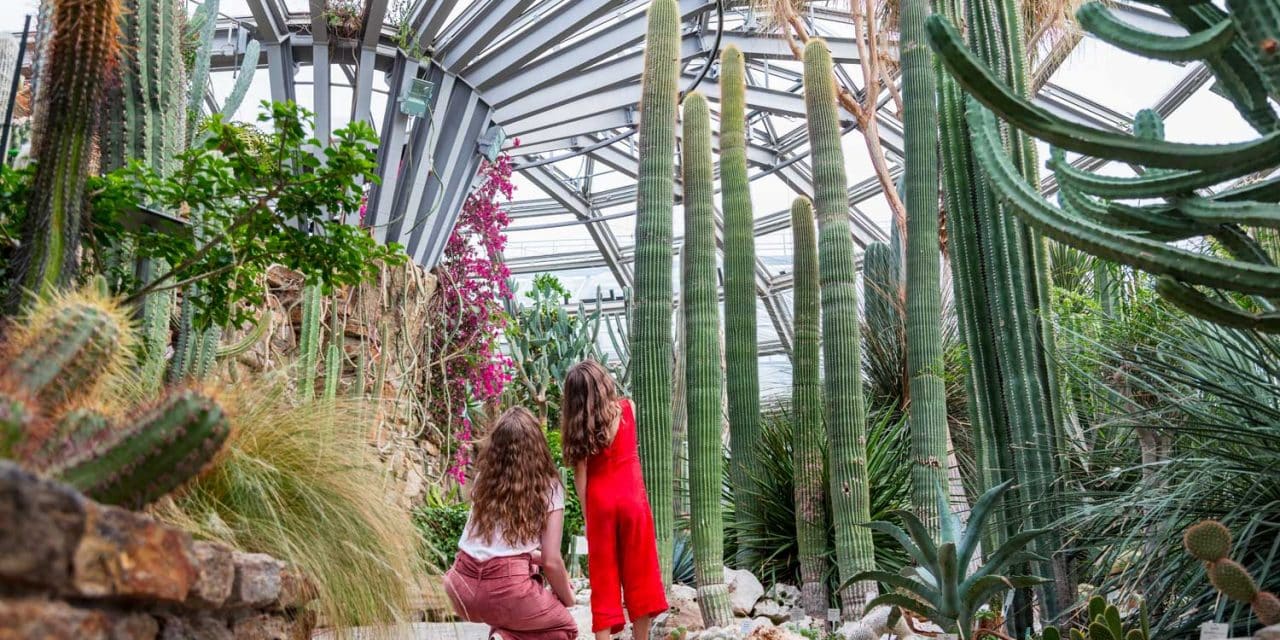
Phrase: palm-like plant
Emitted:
{"points": [[941, 587]]}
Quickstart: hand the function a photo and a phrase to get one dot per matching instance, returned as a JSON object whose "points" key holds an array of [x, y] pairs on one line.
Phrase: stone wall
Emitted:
{"points": [[74, 569]]}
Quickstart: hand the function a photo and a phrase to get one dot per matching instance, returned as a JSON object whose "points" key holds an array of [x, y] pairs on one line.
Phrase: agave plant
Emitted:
{"points": [[943, 587]]}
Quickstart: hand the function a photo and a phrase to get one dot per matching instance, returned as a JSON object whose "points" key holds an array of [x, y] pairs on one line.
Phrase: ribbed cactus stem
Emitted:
{"points": [[208, 12], [841, 339], [651, 356], [741, 358], [309, 341], [700, 299], [82, 55], [76, 431], [806, 407], [18, 417], [152, 454], [244, 78], [928, 407], [66, 348]]}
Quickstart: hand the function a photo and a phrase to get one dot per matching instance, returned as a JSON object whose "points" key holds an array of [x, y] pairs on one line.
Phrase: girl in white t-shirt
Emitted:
{"points": [[513, 530]]}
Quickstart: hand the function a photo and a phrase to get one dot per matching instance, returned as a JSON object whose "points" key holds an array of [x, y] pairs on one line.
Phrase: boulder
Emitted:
{"points": [[217, 575], [685, 612], [770, 632], [776, 612], [784, 594], [759, 622], [123, 554], [874, 625], [744, 590], [40, 527], [257, 582]]}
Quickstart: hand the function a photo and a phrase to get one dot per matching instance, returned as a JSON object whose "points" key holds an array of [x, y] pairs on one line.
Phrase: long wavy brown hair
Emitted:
{"points": [[515, 478], [588, 411]]}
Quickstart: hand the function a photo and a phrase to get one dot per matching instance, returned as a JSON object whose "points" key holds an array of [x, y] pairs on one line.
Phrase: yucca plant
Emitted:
{"points": [[941, 586]]}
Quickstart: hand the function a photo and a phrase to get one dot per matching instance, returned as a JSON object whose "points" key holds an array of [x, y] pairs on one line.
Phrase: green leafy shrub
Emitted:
{"points": [[440, 521]]}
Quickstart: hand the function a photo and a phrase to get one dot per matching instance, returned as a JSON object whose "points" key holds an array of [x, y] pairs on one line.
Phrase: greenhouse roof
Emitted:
{"points": [[562, 77]]}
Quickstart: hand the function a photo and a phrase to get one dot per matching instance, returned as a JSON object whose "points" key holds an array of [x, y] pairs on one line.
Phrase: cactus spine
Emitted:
{"points": [[651, 356], [149, 456], [741, 357], [82, 54], [700, 299], [928, 408], [147, 113], [806, 407], [842, 360]]}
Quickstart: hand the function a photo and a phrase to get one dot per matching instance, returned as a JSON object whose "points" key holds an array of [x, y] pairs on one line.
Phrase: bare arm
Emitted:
{"points": [[580, 483], [552, 562]]}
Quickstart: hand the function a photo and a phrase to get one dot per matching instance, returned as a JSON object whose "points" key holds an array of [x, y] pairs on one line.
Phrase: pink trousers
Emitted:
{"points": [[508, 595]]}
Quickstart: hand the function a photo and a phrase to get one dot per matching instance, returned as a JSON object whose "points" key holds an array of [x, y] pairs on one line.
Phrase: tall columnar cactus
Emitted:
{"points": [[204, 23], [309, 340], [82, 55], [842, 359], [151, 454], [651, 355], [741, 357], [1001, 283], [1239, 46], [146, 114], [806, 407], [700, 299], [885, 337], [928, 408]]}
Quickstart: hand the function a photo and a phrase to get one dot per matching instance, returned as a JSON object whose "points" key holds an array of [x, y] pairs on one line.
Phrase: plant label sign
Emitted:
{"points": [[1214, 631]]}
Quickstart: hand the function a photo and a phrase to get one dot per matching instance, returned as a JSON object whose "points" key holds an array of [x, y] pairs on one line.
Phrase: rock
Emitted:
{"points": [[217, 575], [1268, 633], [771, 632], [774, 611], [583, 597], [744, 590], [49, 620], [582, 617], [129, 555], [257, 582], [874, 625], [685, 612], [717, 633], [760, 622], [198, 628], [784, 594], [265, 626], [40, 526], [296, 590]]}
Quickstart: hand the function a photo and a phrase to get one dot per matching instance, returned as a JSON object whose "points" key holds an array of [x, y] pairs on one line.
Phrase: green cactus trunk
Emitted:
{"points": [[928, 408], [309, 341], [151, 455], [147, 113], [67, 354], [806, 408], [82, 55], [1001, 283], [741, 357], [841, 340], [680, 414], [700, 299], [651, 356]]}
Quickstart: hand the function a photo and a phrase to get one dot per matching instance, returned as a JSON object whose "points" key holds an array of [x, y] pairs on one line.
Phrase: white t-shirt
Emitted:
{"points": [[497, 547]]}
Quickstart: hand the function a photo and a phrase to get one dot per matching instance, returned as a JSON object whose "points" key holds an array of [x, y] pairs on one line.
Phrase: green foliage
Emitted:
{"points": [[544, 340], [574, 521], [771, 531], [440, 521], [941, 586], [257, 206], [1103, 623], [650, 331]]}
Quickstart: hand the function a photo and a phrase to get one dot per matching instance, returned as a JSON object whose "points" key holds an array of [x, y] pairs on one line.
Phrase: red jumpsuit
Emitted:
{"points": [[622, 551]]}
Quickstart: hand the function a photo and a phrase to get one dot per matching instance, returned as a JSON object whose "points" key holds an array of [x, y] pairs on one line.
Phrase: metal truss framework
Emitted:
{"points": [[563, 76]]}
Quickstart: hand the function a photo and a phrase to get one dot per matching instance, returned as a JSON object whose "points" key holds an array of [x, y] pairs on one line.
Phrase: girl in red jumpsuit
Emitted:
{"points": [[599, 432]]}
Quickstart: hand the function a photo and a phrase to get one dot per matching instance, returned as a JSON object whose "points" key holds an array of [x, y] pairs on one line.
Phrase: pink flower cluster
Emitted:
{"points": [[473, 284]]}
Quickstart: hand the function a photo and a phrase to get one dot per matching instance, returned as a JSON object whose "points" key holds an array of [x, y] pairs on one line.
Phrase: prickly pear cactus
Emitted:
{"points": [[1210, 541], [1207, 540]]}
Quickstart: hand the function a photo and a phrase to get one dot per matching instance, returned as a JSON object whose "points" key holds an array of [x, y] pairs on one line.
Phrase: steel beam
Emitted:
{"points": [[506, 60], [428, 19], [466, 42], [552, 182]]}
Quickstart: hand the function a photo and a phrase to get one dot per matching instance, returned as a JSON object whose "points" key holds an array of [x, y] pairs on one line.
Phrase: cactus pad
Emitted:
{"points": [[153, 454], [1207, 540], [1266, 607], [1233, 580]]}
